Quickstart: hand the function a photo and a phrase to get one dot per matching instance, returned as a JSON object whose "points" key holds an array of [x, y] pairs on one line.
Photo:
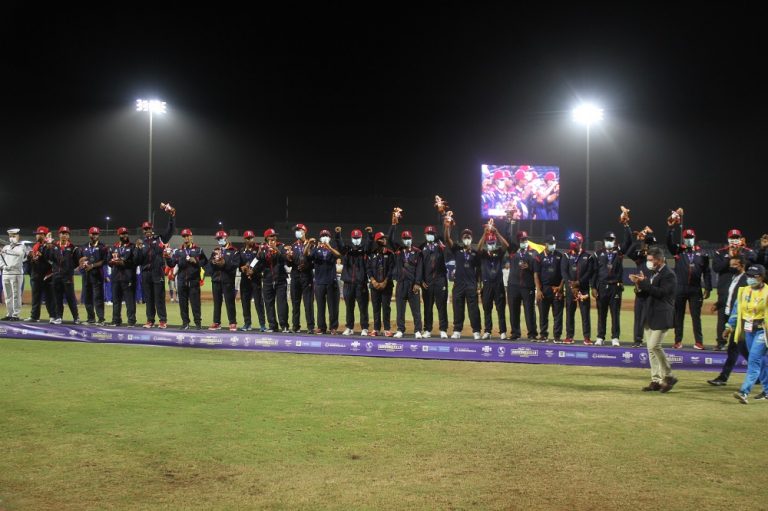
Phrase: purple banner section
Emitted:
{"points": [[534, 353]]}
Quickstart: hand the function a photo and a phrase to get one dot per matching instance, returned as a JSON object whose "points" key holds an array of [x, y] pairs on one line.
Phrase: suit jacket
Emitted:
{"points": [[742, 282], [659, 310]]}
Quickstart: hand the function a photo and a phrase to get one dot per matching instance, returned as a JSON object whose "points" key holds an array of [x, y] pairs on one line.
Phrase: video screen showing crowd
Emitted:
{"points": [[531, 191]]}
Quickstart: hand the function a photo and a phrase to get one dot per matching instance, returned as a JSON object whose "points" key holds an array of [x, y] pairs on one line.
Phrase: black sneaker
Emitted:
{"points": [[638, 344], [761, 396], [246, 328], [185, 326], [717, 382]]}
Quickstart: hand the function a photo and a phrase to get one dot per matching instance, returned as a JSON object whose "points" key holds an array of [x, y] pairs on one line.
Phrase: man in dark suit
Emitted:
{"points": [[738, 265], [658, 316]]}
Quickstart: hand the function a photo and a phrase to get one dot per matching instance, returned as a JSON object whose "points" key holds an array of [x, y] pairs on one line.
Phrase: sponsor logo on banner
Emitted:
{"points": [[487, 351], [266, 343], [101, 336], [73, 333], [299, 344], [675, 359], [354, 345], [3, 331], [233, 340], [437, 348], [708, 361], [695, 360], [287, 343], [549, 353], [391, 347], [604, 355], [413, 347], [369, 346], [573, 354], [643, 357], [500, 351], [161, 338], [462, 349], [335, 345], [120, 337], [626, 357], [211, 341], [523, 353], [247, 341]]}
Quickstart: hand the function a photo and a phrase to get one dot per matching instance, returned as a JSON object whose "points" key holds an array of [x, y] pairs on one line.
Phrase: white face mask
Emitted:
{"points": [[356, 241], [430, 238], [222, 242], [650, 265], [467, 242], [325, 239], [299, 235], [609, 245], [733, 242], [491, 247], [689, 242], [407, 243], [13, 239], [551, 248], [524, 245]]}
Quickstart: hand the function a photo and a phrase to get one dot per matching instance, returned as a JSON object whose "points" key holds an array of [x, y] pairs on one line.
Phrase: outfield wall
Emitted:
{"points": [[478, 351]]}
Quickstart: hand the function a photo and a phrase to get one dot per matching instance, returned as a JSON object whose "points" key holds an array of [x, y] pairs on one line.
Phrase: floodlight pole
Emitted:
{"points": [[586, 224], [149, 199]]}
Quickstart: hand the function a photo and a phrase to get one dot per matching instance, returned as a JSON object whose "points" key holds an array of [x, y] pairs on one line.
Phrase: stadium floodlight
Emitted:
{"points": [[153, 106], [107, 228], [587, 114]]}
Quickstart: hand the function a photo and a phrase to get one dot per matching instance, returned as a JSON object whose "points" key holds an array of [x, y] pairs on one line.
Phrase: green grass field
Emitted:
{"points": [[96, 426]]}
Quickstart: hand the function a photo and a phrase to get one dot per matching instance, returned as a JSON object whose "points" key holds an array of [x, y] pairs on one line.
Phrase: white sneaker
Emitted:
{"points": [[426, 334], [364, 332], [456, 335], [398, 334], [417, 335], [615, 342], [598, 342], [503, 336], [347, 331], [486, 335], [57, 321], [476, 335], [444, 334]]}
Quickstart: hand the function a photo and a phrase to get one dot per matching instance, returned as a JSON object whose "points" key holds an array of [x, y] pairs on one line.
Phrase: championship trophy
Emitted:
{"points": [[441, 204], [397, 214], [676, 217], [448, 219], [624, 217], [168, 208]]}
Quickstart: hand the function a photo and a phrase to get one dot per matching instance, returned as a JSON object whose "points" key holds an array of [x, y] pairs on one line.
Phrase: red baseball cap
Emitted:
{"points": [[549, 176], [406, 235], [186, 232], [689, 233], [520, 175], [221, 234], [326, 232], [576, 236], [146, 225], [300, 226], [501, 174], [63, 228], [522, 235], [270, 232], [42, 230], [93, 230], [123, 230], [249, 234], [357, 233], [734, 233], [430, 229], [378, 236]]}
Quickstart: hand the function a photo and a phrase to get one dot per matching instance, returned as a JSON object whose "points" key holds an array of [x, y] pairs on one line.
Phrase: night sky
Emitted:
{"points": [[370, 100]]}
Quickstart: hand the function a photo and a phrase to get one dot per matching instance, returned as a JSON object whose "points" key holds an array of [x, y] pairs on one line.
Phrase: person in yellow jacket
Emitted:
{"points": [[748, 317]]}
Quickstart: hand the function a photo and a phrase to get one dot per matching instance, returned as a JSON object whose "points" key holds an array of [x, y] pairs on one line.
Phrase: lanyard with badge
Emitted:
{"points": [[751, 308]]}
